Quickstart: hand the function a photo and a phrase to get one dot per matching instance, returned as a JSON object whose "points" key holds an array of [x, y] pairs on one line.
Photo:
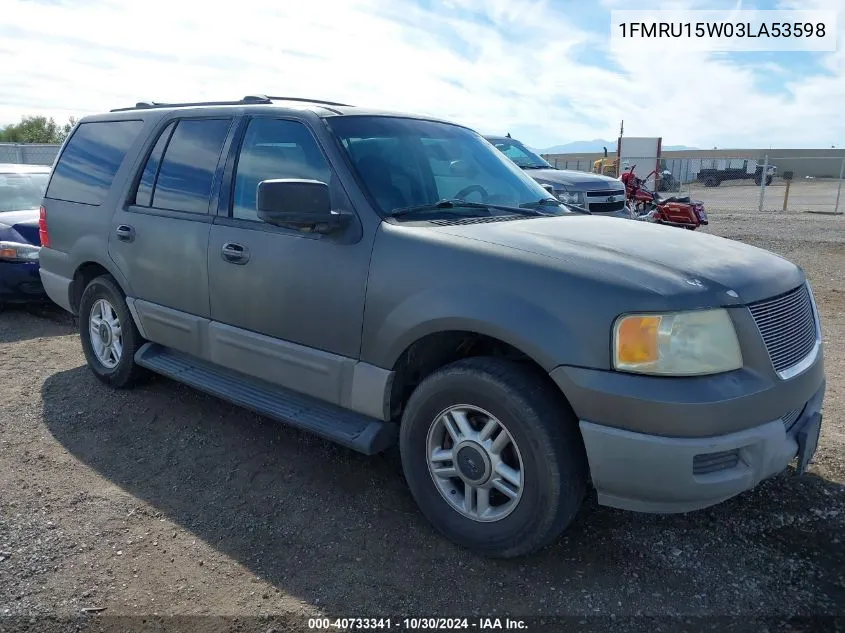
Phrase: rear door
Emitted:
{"points": [[159, 237]]}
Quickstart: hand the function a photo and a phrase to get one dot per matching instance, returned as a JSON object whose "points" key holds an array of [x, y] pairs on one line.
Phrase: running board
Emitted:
{"points": [[356, 431]]}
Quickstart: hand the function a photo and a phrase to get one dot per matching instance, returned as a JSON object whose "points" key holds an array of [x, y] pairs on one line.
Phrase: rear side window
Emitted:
{"points": [[186, 174], [90, 160], [144, 194]]}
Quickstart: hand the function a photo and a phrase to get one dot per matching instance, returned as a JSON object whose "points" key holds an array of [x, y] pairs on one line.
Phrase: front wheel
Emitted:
{"points": [[108, 332], [493, 458]]}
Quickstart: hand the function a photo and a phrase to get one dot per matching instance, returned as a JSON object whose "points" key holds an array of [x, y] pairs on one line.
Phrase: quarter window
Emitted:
{"points": [[86, 169]]}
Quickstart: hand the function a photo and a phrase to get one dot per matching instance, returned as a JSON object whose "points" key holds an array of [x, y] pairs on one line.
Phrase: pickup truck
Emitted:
{"points": [[714, 177], [598, 194]]}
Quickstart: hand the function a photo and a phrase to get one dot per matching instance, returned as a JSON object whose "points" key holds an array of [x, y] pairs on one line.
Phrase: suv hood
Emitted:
{"points": [[694, 269], [24, 223], [569, 177]]}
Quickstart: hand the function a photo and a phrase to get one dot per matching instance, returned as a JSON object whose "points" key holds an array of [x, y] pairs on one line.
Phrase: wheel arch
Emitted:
{"points": [[435, 348], [84, 274], [89, 270]]}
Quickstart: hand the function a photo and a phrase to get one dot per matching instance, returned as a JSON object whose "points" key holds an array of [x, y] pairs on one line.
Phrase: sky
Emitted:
{"points": [[542, 70]]}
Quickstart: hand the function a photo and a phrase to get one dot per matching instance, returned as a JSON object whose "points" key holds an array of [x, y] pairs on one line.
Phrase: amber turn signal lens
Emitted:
{"points": [[636, 340]]}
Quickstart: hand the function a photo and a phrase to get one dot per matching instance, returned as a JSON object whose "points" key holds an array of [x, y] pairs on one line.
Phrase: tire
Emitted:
{"points": [[549, 450], [768, 180], [123, 373], [712, 182]]}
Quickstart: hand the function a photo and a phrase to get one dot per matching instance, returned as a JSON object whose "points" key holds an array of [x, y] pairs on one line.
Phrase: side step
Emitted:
{"points": [[359, 432]]}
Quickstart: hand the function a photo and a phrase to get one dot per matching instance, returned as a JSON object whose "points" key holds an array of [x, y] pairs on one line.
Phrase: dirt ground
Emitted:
{"points": [[163, 501]]}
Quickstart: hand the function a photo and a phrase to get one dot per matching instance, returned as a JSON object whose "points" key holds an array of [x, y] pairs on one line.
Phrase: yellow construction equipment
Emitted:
{"points": [[606, 166]]}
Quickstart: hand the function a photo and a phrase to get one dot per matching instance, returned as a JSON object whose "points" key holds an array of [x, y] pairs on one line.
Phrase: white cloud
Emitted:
{"points": [[527, 65]]}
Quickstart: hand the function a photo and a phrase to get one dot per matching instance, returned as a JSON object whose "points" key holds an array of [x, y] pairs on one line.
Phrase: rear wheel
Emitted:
{"points": [[493, 458], [108, 333]]}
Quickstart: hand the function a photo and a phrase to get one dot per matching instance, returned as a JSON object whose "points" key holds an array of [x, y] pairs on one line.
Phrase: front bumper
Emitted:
{"points": [[652, 473], [20, 282]]}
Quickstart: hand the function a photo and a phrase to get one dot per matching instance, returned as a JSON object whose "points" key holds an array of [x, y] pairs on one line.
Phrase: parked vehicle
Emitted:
{"points": [[673, 211], [667, 182], [21, 190], [600, 195], [713, 177], [606, 166], [380, 278]]}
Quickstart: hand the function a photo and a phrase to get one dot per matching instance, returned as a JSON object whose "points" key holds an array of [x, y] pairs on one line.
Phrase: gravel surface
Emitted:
{"points": [[163, 501]]}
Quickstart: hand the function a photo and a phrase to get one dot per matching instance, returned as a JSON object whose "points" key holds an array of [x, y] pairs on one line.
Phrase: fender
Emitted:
{"points": [[90, 249], [527, 326]]}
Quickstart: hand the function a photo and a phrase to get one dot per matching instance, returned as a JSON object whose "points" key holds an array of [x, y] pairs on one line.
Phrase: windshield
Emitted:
{"points": [[409, 163], [519, 154], [21, 190]]}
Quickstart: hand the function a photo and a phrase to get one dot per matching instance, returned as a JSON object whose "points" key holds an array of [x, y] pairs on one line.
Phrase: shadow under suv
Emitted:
{"points": [[380, 278]]}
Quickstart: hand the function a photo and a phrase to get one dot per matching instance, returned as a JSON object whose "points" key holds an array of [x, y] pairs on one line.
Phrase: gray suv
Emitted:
{"points": [[381, 279]]}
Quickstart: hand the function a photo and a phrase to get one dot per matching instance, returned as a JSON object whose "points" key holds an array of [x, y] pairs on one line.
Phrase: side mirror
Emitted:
{"points": [[299, 203], [549, 188]]}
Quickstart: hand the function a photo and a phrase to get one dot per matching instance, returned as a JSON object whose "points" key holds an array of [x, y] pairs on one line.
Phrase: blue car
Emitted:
{"points": [[21, 190]]}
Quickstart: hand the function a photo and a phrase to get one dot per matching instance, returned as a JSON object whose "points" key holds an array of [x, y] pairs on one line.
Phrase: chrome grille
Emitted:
{"points": [[597, 201], [788, 327], [605, 193]]}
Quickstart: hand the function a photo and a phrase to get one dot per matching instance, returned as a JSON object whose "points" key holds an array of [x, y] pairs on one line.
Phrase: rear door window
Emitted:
{"points": [[186, 174], [86, 169], [144, 194]]}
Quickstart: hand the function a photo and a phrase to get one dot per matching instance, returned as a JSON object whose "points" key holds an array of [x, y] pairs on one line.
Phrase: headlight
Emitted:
{"points": [[15, 252], [571, 197], [694, 343]]}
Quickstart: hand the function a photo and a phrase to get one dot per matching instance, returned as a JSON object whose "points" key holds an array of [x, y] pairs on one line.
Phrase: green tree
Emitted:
{"points": [[36, 129]]}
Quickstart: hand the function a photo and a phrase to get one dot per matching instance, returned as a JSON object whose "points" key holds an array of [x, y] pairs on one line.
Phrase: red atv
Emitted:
{"points": [[673, 211]]}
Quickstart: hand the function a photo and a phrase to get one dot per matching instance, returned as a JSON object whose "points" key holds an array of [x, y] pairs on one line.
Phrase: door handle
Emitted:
{"points": [[234, 253], [125, 233]]}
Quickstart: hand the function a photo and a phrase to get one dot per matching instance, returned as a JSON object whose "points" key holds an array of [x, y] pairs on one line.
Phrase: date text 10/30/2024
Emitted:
{"points": [[417, 624]]}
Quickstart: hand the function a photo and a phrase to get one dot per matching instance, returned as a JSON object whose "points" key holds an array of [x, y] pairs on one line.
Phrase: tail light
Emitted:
{"points": [[42, 227]]}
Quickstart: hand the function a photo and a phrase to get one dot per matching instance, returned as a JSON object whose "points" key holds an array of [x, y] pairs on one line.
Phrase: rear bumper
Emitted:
{"points": [[652, 473], [57, 288], [20, 282]]}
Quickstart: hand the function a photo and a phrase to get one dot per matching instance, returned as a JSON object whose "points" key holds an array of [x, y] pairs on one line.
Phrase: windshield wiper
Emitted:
{"points": [[536, 166], [548, 202], [455, 203]]}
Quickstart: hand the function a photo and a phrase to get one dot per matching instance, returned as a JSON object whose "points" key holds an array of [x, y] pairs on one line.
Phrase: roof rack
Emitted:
{"points": [[317, 101], [249, 99]]}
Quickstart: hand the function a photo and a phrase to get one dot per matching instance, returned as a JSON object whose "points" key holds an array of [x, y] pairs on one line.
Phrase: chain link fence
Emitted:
{"points": [[28, 154], [792, 183], [802, 184]]}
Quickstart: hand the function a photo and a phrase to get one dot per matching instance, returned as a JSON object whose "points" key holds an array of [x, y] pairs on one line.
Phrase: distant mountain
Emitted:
{"points": [[596, 145]]}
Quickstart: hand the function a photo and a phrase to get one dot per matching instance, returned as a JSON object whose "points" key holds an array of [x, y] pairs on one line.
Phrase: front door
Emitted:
{"points": [[287, 305], [159, 239]]}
